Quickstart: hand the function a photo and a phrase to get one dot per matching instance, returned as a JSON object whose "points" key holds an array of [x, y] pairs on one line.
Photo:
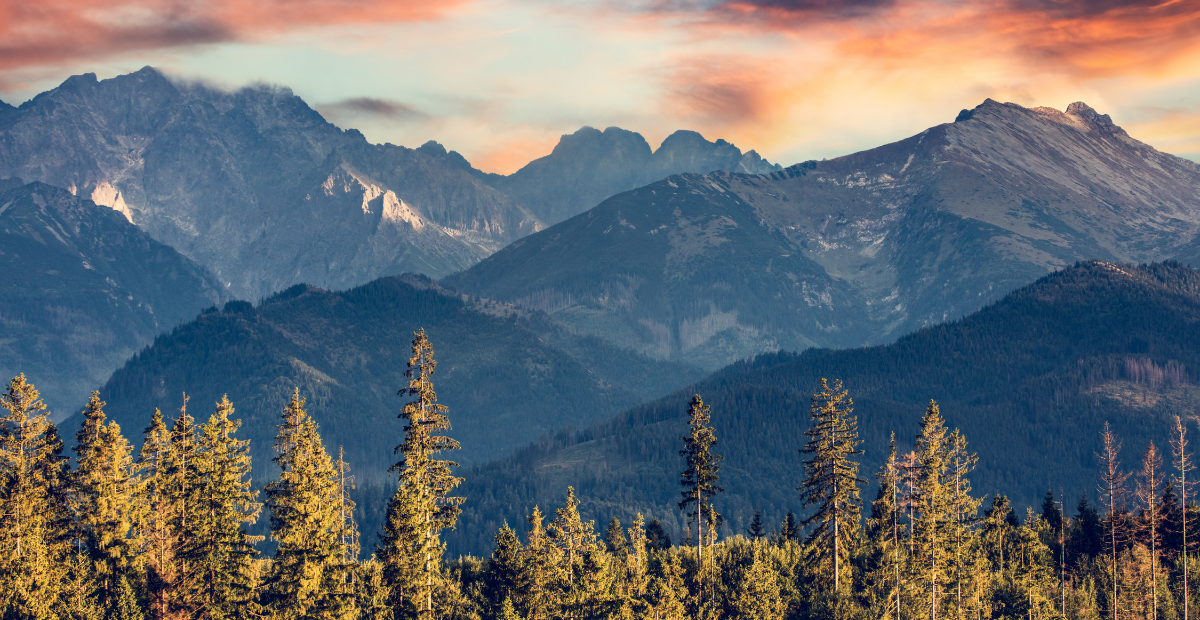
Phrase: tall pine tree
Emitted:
{"points": [[934, 509], [831, 476], [35, 531], [422, 506], [306, 522], [701, 474], [216, 550], [104, 493]]}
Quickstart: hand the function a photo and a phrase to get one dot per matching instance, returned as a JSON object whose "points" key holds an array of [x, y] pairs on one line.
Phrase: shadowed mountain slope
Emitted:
{"points": [[1030, 380], [83, 289], [508, 376], [858, 249]]}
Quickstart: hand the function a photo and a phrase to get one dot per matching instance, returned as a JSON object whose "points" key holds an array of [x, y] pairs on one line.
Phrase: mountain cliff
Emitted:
{"points": [[858, 249], [82, 290], [254, 184], [589, 165]]}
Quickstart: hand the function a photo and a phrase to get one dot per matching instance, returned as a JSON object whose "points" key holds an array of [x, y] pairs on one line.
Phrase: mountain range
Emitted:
{"points": [[595, 287], [258, 188], [855, 250]]}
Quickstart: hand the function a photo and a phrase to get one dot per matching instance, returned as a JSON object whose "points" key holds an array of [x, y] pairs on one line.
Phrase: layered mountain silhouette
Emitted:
{"points": [[83, 289], [508, 376], [256, 186], [589, 165], [854, 250], [1030, 381]]}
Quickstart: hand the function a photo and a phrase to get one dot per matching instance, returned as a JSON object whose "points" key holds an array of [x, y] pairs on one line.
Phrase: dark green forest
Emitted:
{"points": [[510, 375], [1031, 380]]}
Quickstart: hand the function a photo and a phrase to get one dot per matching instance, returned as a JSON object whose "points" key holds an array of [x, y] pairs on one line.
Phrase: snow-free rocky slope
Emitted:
{"points": [[82, 290], [256, 186], [858, 249]]}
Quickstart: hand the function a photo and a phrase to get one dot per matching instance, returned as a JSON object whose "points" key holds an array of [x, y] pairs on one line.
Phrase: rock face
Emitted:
{"points": [[84, 289], [255, 184], [258, 188], [589, 165], [858, 249]]}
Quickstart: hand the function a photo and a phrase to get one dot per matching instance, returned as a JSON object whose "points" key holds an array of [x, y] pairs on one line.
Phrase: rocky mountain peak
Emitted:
{"points": [[1084, 111]]}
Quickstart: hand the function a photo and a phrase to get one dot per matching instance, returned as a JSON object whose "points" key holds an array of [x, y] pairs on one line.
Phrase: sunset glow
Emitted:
{"points": [[500, 80]]}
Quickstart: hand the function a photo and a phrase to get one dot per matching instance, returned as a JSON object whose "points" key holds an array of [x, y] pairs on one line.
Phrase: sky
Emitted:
{"points": [[501, 80]]}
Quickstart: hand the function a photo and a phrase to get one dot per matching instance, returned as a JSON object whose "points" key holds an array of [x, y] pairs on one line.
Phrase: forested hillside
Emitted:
{"points": [[1030, 382], [507, 375], [162, 532]]}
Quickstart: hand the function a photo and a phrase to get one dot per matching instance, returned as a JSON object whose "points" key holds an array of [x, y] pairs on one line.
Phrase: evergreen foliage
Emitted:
{"points": [[309, 566], [831, 475], [422, 506], [215, 550]]}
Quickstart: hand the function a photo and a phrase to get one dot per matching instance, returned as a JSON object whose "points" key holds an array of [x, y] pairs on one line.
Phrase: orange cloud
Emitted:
{"points": [[513, 153], [56, 32]]}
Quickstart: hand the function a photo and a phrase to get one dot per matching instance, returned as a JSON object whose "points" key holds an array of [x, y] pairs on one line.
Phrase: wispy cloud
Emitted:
{"points": [[387, 109]]}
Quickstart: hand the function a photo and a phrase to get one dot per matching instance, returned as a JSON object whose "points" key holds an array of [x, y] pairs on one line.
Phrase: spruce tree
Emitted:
{"points": [[501, 582], [1112, 494], [1181, 458], [541, 576], [700, 476], [306, 521], [831, 475], [125, 604], [35, 531], [614, 538], [756, 530], [422, 506], [934, 510], [104, 493], [790, 528], [168, 495], [965, 508], [576, 540], [215, 549], [883, 533], [1149, 482], [657, 537]]}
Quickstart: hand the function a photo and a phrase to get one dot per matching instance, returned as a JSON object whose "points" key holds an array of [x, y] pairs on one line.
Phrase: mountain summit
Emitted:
{"points": [[857, 249], [256, 186]]}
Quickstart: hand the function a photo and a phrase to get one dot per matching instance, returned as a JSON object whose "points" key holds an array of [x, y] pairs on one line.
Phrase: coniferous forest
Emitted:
{"points": [[104, 531]]}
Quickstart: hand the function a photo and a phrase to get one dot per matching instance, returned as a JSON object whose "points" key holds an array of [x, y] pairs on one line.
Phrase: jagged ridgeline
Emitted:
{"points": [[508, 376], [1030, 381]]}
